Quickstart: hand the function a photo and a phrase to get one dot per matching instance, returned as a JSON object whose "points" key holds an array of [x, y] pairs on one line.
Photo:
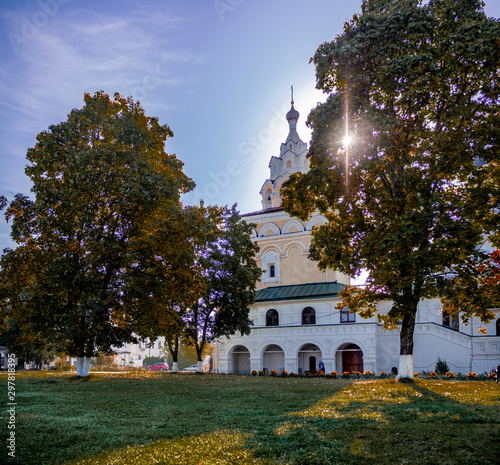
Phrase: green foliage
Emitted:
{"points": [[441, 367], [152, 360], [38, 351], [225, 265], [417, 88], [100, 180], [199, 287], [187, 355], [63, 365], [103, 361]]}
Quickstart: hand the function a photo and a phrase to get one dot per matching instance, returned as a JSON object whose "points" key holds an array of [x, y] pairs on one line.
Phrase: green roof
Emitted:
{"points": [[299, 291]]}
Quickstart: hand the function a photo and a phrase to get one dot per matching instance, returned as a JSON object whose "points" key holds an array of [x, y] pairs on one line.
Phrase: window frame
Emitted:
{"points": [[450, 321], [310, 317], [347, 317], [272, 317], [271, 270]]}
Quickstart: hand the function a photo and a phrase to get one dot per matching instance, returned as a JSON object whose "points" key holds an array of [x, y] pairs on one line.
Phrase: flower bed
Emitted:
{"points": [[450, 376]]}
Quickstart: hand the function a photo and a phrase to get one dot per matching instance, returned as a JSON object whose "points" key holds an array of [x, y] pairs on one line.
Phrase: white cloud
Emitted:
{"points": [[88, 51]]}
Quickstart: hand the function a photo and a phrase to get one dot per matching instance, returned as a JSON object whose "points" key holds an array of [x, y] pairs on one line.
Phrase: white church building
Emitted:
{"points": [[295, 323]]}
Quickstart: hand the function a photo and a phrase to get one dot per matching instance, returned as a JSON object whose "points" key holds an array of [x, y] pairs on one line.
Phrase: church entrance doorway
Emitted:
{"points": [[309, 357], [352, 358], [240, 358]]}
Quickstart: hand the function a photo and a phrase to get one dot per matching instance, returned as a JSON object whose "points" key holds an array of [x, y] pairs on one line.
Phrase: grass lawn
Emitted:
{"points": [[161, 418]]}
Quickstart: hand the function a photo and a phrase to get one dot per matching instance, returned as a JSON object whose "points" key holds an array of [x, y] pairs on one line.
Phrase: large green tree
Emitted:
{"points": [[36, 350], [226, 267], [202, 286], [168, 282], [99, 179], [416, 87]]}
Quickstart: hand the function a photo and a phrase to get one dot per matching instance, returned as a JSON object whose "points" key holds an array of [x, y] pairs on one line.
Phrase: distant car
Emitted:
{"points": [[158, 367], [191, 368]]}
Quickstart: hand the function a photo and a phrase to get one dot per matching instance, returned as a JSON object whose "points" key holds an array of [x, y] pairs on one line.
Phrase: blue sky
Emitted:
{"points": [[218, 72]]}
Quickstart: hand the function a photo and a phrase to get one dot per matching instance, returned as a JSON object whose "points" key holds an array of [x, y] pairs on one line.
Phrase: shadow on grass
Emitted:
{"points": [[388, 422], [239, 420]]}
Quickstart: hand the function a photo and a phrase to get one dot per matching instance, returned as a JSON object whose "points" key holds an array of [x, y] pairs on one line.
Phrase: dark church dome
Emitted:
{"points": [[293, 114]]}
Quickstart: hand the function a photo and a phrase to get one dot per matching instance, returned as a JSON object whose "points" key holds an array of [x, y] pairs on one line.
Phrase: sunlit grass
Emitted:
{"points": [[190, 419], [218, 448]]}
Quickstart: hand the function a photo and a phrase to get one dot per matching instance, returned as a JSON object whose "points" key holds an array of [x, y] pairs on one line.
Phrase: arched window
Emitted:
{"points": [[498, 327], [450, 320], [267, 198], [272, 271], [288, 164], [308, 316], [272, 317]]}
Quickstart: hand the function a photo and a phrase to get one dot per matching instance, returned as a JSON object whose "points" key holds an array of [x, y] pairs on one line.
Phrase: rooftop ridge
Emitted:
{"points": [[299, 291]]}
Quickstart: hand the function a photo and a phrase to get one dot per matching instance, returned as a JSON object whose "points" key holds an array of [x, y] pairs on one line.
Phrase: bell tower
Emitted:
{"points": [[292, 159]]}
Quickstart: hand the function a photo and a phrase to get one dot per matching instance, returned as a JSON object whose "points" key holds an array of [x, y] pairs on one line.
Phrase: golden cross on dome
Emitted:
{"points": [[292, 95]]}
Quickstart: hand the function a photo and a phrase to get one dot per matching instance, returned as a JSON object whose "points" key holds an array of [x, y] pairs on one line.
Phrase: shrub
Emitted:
{"points": [[321, 373], [254, 372], [273, 373], [345, 374], [471, 375], [262, 373], [333, 374], [293, 374], [284, 373], [415, 375], [368, 374], [433, 374], [441, 367], [492, 375], [383, 375], [62, 365], [450, 375]]}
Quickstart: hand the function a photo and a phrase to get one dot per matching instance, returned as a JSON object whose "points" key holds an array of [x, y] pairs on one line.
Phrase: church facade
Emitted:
{"points": [[296, 326]]}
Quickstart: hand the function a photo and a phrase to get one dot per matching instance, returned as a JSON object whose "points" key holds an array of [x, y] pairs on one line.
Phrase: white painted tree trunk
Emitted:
{"points": [[82, 366], [175, 367], [200, 367], [405, 367]]}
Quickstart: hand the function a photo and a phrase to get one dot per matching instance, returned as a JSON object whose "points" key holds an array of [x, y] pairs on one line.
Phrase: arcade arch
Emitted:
{"points": [[349, 357], [273, 358], [308, 357], [240, 359]]}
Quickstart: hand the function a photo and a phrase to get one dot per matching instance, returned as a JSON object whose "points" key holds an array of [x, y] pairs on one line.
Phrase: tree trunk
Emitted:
{"points": [[199, 356], [174, 351], [82, 366], [406, 346]]}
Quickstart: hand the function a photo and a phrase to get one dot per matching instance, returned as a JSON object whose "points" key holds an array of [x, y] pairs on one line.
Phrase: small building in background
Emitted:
{"points": [[133, 355]]}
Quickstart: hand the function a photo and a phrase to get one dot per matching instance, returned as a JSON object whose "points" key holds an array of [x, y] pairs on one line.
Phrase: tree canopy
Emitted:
{"points": [[411, 198], [214, 275], [100, 179], [226, 263]]}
